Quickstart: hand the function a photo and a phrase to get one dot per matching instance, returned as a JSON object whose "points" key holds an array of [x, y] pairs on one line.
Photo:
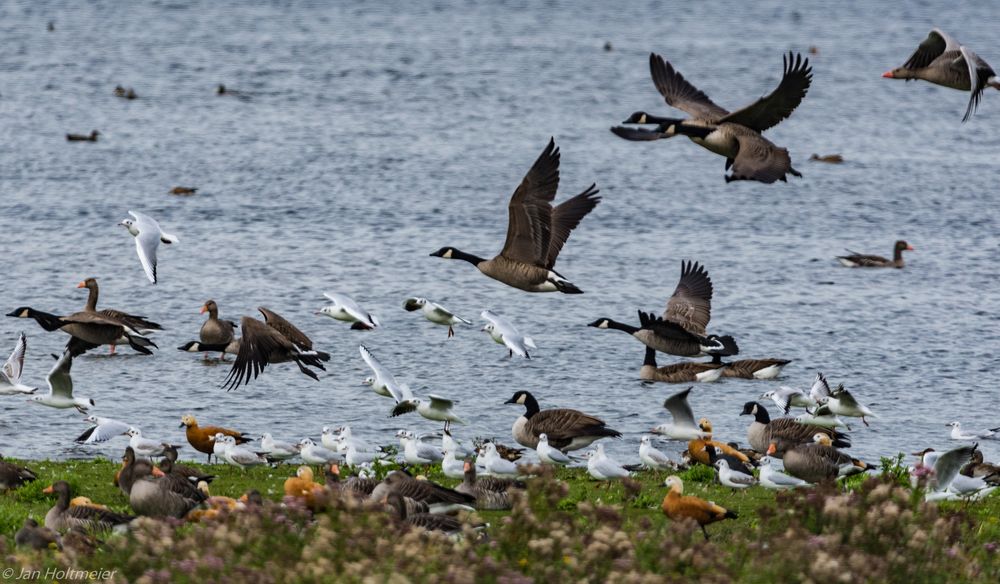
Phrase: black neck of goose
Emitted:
{"points": [[47, 321], [620, 326], [692, 131], [530, 405], [167, 466], [472, 259], [717, 359], [650, 357], [761, 415], [897, 255], [651, 119]]}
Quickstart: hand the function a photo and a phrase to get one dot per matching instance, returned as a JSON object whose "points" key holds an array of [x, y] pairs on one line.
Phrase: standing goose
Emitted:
{"points": [[566, 429], [215, 331], [536, 231], [735, 135], [88, 330], [10, 374], [687, 372], [785, 433], [860, 260], [63, 516], [136, 323], [681, 329], [941, 60], [273, 341], [132, 469], [819, 461]]}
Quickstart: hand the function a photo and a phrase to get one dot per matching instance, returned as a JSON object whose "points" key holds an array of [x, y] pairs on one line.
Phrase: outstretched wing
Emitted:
{"points": [[679, 408], [768, 111], [691, 303], [60, 382], [979, 74], [286, 329], [566, 217], [258, 342], [530, 210], [680, 94], [15, 363], [932, 47]]}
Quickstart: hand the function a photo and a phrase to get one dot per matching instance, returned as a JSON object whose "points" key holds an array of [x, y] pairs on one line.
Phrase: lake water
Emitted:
{"points": [[375, 134]]}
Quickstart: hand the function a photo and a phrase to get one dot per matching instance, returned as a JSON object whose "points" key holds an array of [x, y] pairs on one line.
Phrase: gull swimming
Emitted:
{"points": [[504, 333], [435, 313], [345, 309], [958, 434], [10, 375], [61, 388], [148, 236], [102, 430]]}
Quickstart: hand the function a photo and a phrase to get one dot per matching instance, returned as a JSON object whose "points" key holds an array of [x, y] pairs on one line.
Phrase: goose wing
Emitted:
{"points": [[679, 93], [979, 73], [256, 347], [286, 329], [60, 382], [133, 321], [936, 44], [759, 159], [771, 109], [15, 363], [691, 303], [566, 217], [680, 409], [562, 425], [529, 227]]}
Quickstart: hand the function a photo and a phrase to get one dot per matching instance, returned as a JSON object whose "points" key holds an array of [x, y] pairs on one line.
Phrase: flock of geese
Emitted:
{"points": [[785, 452]]}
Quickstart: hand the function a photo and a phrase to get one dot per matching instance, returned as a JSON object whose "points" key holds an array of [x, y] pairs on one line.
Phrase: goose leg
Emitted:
{"points": [[451, 332], [112, 350], [704, 532]]}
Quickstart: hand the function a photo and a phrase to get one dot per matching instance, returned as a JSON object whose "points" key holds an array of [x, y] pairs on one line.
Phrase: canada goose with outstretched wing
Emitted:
{"points": [[566, 429], [536, 231], [785, 433], [681, 329], [137, 323], [686, 372], [735, 135], [88, 330], [860, 260], [273, 341], [941, 60]]}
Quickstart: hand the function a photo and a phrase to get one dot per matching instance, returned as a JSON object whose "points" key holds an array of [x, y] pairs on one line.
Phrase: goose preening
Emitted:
{"points": [[682, 426], [92, 137], [87, 329], [273, 341], [216, 331], [784, 433], [503, 332], [734, 479], [10, 374], [819, 461], [860, 260], [202, 438], [941, 60], [678, 506], [735, 135], [13, 476], [681, 329], [345, 309], [435, 313], [566, 429], [62, 516], [687, 372], [536, 231], [61, 388], [102, 430], [134, 322], [772, 478], [148, 236], [958, 434]]}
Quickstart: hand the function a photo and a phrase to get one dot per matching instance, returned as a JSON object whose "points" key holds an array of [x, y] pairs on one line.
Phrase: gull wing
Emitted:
{"points": [[15, 363], [679, 408], [60, 382]]}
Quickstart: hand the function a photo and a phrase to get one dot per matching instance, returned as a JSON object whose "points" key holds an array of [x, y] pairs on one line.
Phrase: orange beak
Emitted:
{"points": [[466, 466], [81, 285], [244, 498], [335, 469], [203, 310], [158, 473], [911, 248], [887, 75], [48, 490], [771, 449]]}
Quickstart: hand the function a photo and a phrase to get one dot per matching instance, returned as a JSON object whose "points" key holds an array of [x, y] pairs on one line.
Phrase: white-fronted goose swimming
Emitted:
{"points": [[860, 260], [10, 374], [63, 516], [735, 135], [941, 60], [273, 341], [148, 236], [567, 429], [13, 476], [137, 323], [216, 331], [536, 231], [819, 461], [687, 372], [784, 433], [681, 329], [87, 329]]}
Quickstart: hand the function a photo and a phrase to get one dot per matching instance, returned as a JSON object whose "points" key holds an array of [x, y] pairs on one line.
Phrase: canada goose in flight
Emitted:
{"points": [[941, 60], [273, 341], [735, 135], [681, 329], [87, 330], [860, 260], [536, 231]]}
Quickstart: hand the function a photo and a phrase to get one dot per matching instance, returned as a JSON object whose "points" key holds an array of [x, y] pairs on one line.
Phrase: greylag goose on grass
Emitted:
{"points": [[941, 60], [13, 476], [536, 231], [62, 516], [860, 260], [819, 461], [734, 135]]}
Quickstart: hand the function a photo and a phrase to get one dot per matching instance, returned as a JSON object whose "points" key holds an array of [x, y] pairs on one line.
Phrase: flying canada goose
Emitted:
{"points": [[677, 506], [273, 341], [215, 331], [735, 135], [751, 368], [536, 231], [13, 476], [134, 322], [785, 433], [83, 137], [88, 330], [435, 313], [687, 372], [566, 429], [61, 388], [859, 260], [62, 517], [819, 461], [941, 60], [10, 373], [681, 329]]}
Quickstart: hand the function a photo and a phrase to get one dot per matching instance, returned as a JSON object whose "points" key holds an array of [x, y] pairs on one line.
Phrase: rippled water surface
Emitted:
{"points": [[374, 134]]}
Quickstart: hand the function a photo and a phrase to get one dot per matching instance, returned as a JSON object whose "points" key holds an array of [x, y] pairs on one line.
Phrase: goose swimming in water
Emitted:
{"points": [[860, 260]]}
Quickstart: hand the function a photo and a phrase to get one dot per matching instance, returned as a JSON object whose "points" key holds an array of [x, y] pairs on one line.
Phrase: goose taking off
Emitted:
{"points": [[273, 341], [536, 231], [860, 260], [681, 329], [735, 135], [941, 60]]}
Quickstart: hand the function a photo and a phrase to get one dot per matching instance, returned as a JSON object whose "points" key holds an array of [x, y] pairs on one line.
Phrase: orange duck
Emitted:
{"points": [[697, 448], [303, 487], [200, 437], [676, 506]]}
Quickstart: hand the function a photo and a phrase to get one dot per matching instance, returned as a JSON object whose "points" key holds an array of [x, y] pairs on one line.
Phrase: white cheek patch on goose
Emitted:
{"points": [[447, 254]]}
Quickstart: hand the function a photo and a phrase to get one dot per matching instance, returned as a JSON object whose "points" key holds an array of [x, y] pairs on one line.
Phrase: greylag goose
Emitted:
{"points": [[681, 329], [273, 341], [92, 137], [31, 535], [63, 517], [132, 469], [434, 495], [941, 60], [88, 330], [536, 231], [215, 331], [169, 466], [13, 476], [819, 461], [566, 429], [355, 486], [491, 493], [735, 135], [164, 494], [137, 323], [980, 469], [784, 433], [688, 372], [860, 260], [428, 521]]}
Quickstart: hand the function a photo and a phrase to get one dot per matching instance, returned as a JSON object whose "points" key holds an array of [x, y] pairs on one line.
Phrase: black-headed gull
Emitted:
{"points": [[61, 388], [842, 403], [733, 479], [653, 458], [493, 463], [382, 382], [314, 453], [452, 467], [772, 478], [345, 309], [683, 426], [504, 333], [276, 450], [417, 451], [435, 313], [435, 408], [148, 235], [549, 455], [102, 430], [821, 416], [602, 467], [10, 375], [144, 447], [958, 434], [237, 455], [787, 397]]}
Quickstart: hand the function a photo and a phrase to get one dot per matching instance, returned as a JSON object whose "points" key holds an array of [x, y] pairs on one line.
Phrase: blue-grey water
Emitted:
{"points": [[374, 133]]}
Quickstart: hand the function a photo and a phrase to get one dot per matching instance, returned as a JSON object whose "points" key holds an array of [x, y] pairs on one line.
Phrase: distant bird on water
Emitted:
{"points": [[92, 137], [860, 260]]}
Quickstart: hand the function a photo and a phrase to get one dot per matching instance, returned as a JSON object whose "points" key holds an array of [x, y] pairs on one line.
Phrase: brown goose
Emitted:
{"points": [[215, 331], [170, 466], [273, 341], [681, 329], [83, 137], [978, 468], [132, 469], [735, 135], [688, 372], [428, 521], [137, 323], [356, 486], [819, 461], [566, 429], [163, 494], [63, 517], [87, 329], [785, 433], [491, 493], [941, 60], [436, 496], [13, 476], [858, 260], [31, 535], [827, 158], [751, 368], [536, 231]]}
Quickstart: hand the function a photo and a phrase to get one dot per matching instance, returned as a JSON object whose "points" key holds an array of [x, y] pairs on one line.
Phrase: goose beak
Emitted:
{"points": [[911, 248], [158, 473], [81, 285], [203, 310], [887, 75], [510, 401]]}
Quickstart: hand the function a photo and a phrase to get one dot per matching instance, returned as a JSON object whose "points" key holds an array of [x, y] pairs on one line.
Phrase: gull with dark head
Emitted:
{"points": [[148, 236]]}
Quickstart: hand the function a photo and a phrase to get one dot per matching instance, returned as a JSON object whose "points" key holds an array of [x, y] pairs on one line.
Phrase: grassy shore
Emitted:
{"points": [[567, 527]]}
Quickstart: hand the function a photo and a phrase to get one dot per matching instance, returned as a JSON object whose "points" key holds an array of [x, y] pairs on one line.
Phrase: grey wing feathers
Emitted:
{"points": [[932, 47], [60, 382], [679, 408], [680, 94], [770, 110], [566, 217], [691, 303], [979, 73], [530, 210]]}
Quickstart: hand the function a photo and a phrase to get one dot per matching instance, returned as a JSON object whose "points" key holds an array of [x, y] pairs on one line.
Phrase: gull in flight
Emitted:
{"points": [[148, 236], [10, 375], [61, 388]]}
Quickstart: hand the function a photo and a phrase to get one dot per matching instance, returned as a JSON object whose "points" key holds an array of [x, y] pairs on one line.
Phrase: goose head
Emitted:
{"points": [[602, 323], [903, 246], [898, 73], [209, 306], [22, 312], [88, 283], [445, 252], [520, 397]]}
